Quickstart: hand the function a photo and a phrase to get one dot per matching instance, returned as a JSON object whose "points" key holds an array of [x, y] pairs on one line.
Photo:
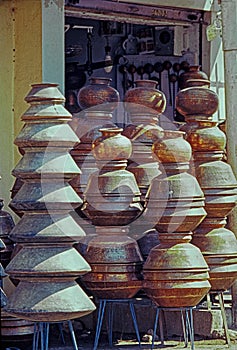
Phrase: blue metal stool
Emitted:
{"points": [[187, 325], [101, 311], [41, 331]]}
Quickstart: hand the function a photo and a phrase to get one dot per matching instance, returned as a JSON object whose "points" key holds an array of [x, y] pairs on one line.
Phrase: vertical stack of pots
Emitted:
{"points": [[6, 225], [47, 264], [112, 202], [144, 104], [14, 330], [2, 275], [219, 245], [175, 272], [97, 100]]}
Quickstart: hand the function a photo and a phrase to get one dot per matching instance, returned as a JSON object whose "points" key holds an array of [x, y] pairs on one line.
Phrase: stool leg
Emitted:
{"points": [[41, 330], [161, 319], [184, 326], [155, 328], [110, 323], [61, 333], [221, 302], [74, 342], [189, 326], [46, 331], [99, 322], [191, 329], [134, 318], [35, 337]]}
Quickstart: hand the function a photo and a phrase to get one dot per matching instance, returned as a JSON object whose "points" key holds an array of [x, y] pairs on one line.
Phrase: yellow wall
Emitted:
{"points": [[21, 65]]}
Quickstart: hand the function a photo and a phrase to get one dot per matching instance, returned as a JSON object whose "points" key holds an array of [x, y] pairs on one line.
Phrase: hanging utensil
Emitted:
{"points": [[132, 70], [167, 65], [124, 72], [177, 69], [184, 65], [140, 71], [158, 67], [173, 79], [148, 69]]}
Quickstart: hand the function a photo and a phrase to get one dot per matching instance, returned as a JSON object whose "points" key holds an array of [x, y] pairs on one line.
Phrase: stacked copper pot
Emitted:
{"points": [[97, 100], [144, 104], [112, 202], [14, 330], [47, 264], [2, 275], [219, 245], [175, 272]]}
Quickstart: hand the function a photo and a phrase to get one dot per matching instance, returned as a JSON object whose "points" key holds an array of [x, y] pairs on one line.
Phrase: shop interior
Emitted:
{"points": [[129, 51]]}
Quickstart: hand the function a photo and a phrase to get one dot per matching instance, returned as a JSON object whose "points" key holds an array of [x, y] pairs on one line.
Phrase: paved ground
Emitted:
{"points": [[86, 343]]}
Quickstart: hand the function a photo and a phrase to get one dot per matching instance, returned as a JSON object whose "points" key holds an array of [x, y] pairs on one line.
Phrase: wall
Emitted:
{"points": [[21, 65]]}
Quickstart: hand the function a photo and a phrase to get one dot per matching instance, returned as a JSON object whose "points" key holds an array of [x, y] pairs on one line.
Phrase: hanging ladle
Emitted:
{"points": [[158, 68], [173, 78], [140, 71], [167, 66], [177, 69], [148, 69], [132, 70], [123, 70]]}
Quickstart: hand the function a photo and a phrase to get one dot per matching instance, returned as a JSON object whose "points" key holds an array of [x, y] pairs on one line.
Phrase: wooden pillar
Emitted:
{"points": [[229, 35]]}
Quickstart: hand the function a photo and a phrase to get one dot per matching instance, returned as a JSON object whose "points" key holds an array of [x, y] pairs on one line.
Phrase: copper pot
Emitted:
{"points": [[145, 94], [197, 101], [176, 275], [192, 73], [98, 92]]}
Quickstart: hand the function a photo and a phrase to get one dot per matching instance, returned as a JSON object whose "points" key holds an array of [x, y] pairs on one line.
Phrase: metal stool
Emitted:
{"points": [[101, 311], [187, 325], [41, 331]]}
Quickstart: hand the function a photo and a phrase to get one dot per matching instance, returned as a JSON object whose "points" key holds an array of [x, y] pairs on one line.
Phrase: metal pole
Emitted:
{"points": [[229, 35]]}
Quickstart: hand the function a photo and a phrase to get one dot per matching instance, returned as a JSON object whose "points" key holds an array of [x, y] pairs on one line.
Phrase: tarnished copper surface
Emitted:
{"points": [[111, 201], [98, 92], [219, 185], [112, 196], [47, 264], [145, 94], [6, 225], [116, 264], [197, 101], [176, 275], [193, 73], [175, 272]]}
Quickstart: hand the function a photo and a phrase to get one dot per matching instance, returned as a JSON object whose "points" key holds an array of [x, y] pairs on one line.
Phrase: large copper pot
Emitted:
{"points": [[145, 94], [176, 275], [219, 248], [98, 92], [197, 101], [116, 264]]}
